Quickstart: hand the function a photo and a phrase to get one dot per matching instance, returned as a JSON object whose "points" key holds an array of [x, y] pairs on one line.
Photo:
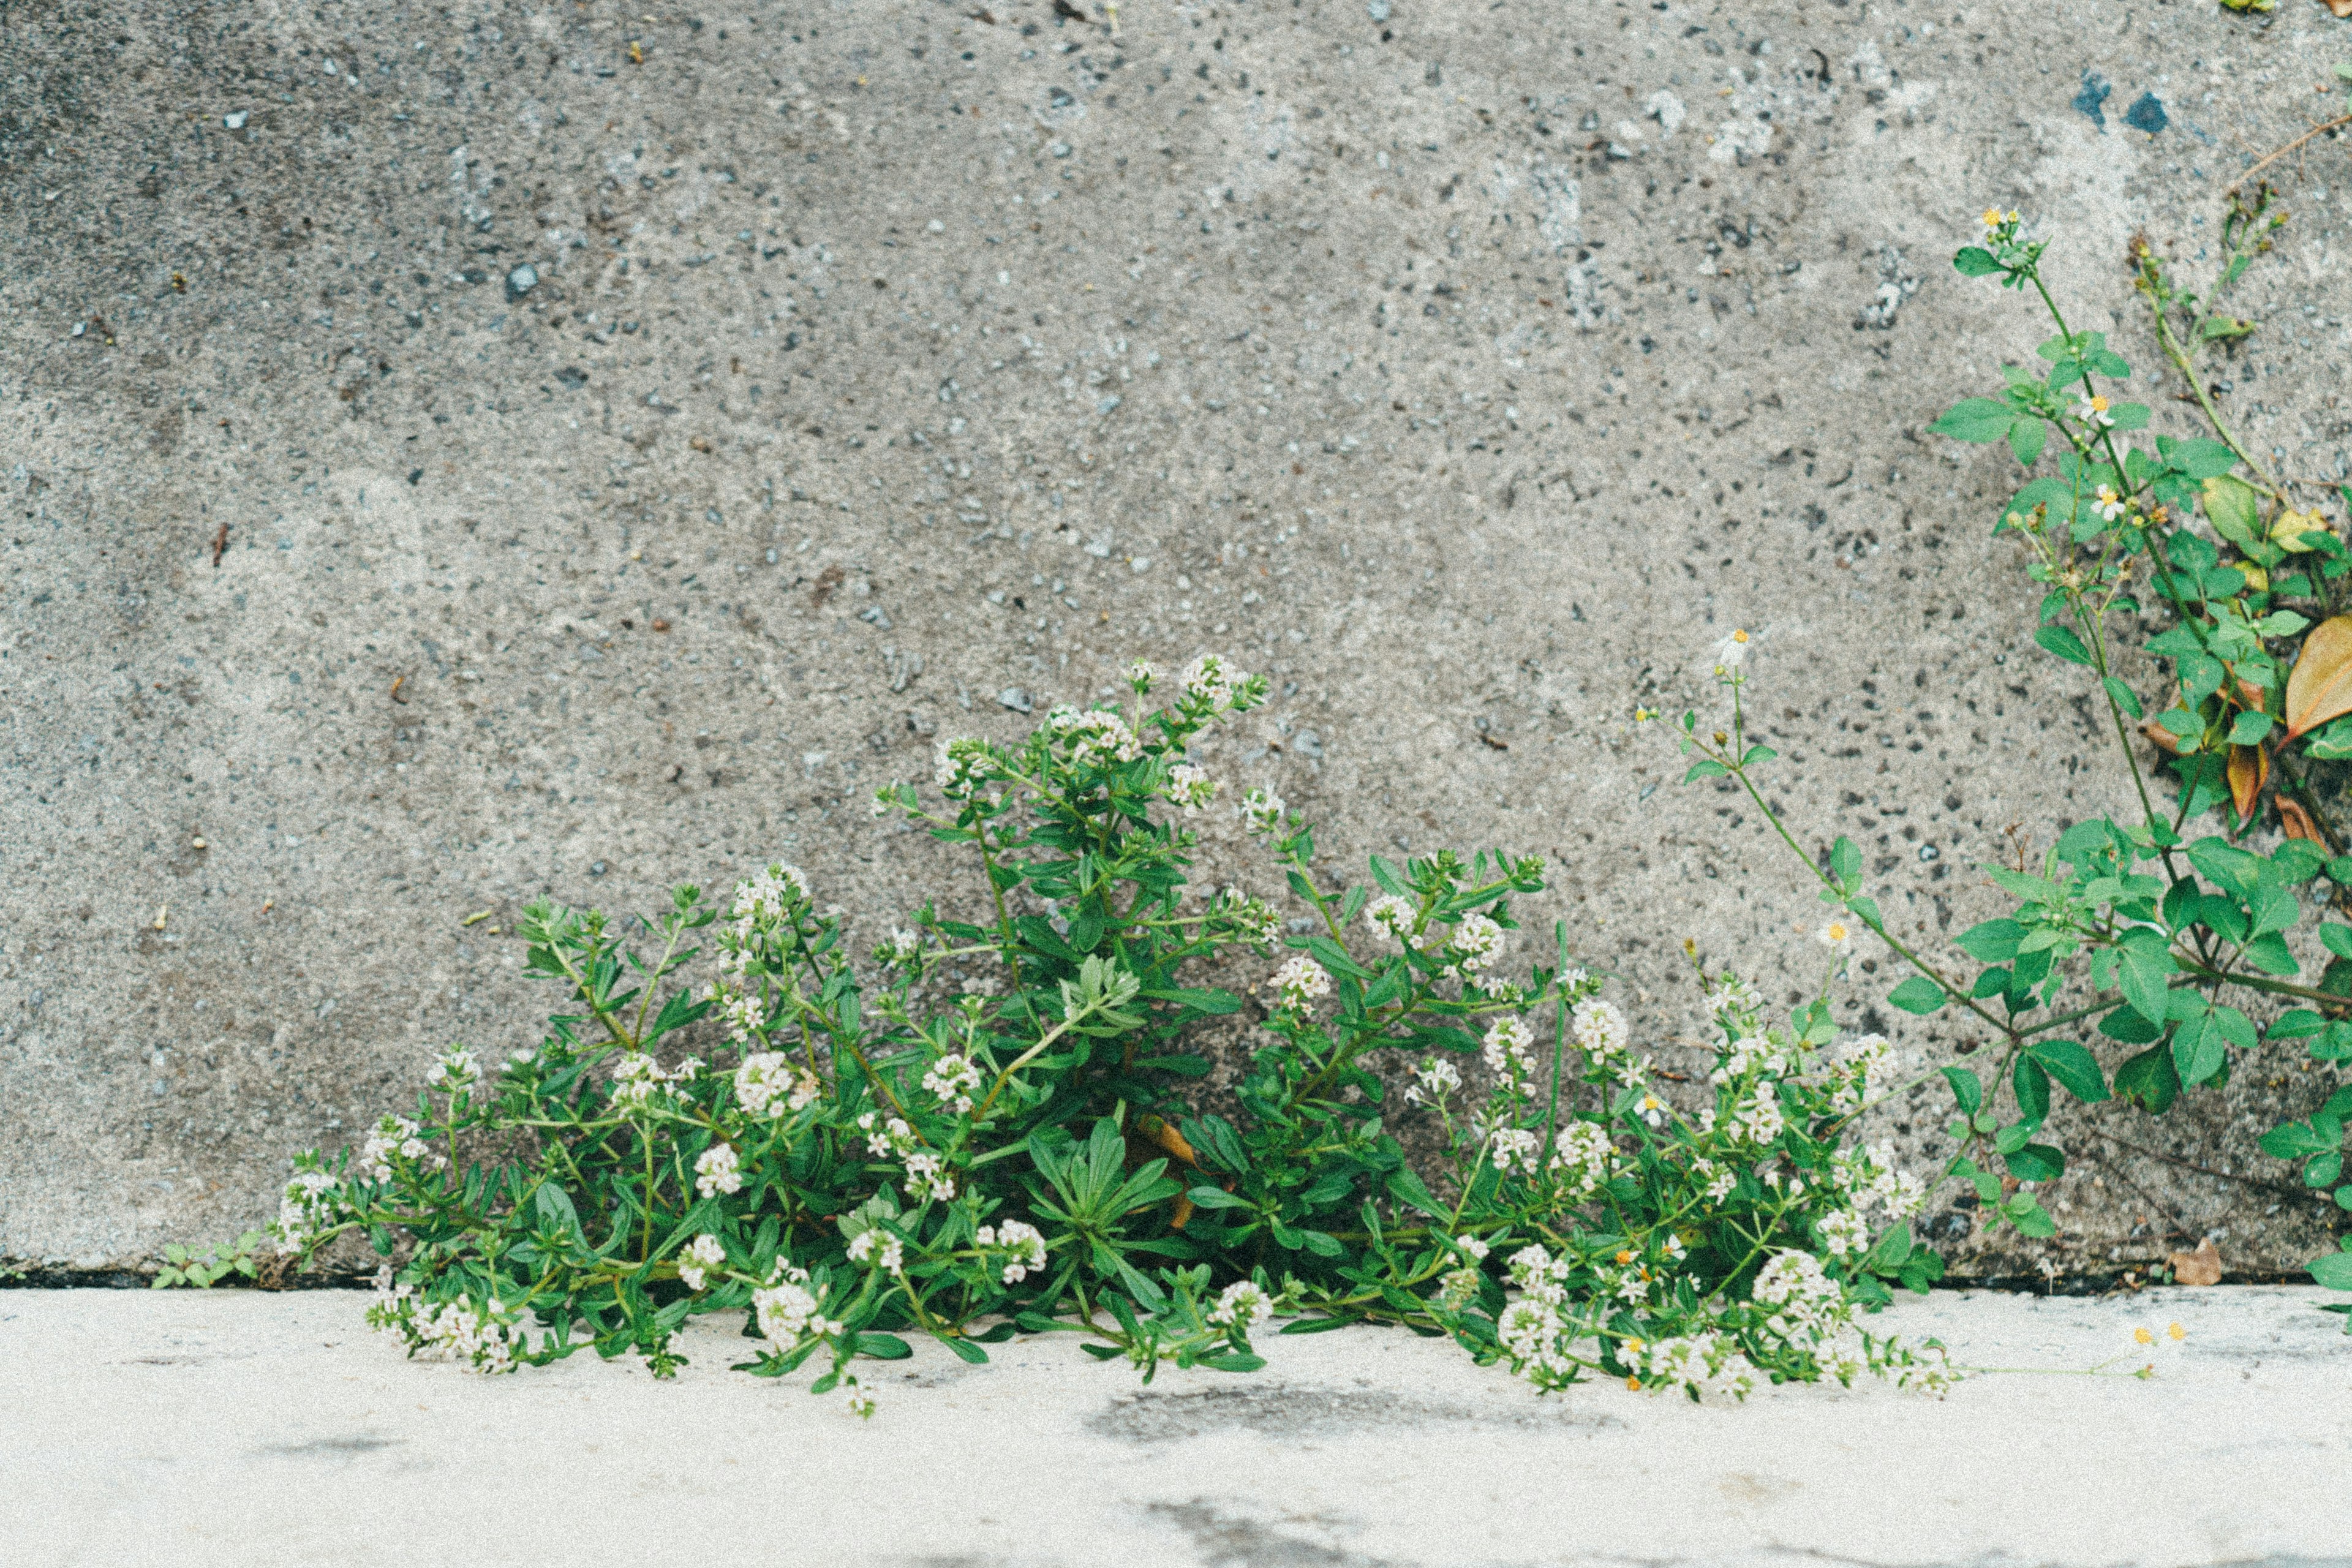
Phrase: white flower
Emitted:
{"points": [[952, 1078], [1835, 934], [396, 1138], [637, 1080], [762, 1082], [1720, 1182], [904, 946], [1433, 1078], [1023, 1247], [1207, 680], [1581, 1155], [456, 1070], [2109, 504], [1510, 1047], [928, 1178], [1729, 995], [1140, 674], [2092, 411], [1243, 1306], [786, 1311], [1472, 946], [1252, 920], [698, 1256], [859, 1402], [1190, 787], [718, 1171], [1600, 1028], [1471, 1247], [1844, 1231], [878, 1247], [1651, 1109], [1757, 1120], [1095, 736], [303, 1211], [1393, 915], [1264, 808], [769, 895], [1516, 1146], [961, 766], [1731, 653], [1300, 981]]}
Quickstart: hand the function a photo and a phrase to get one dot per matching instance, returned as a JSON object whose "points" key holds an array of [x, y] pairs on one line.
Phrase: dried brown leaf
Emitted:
{"points": [[2297, 822], [2321, 686], [2202, 1266], [2249, 768]]}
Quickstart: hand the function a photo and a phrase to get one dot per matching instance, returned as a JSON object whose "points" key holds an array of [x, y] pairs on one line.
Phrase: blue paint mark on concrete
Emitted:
{"points": [[2147, 114], [2092, 100]]}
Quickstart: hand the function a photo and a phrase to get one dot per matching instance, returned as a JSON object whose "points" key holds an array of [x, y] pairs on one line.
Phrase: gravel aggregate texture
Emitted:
{"points": [[456, 454]]}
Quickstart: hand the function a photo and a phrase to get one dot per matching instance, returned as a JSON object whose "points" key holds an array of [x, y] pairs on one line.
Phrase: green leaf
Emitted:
{"points": [[1216, 1198], [1975, 262], [2032, 1087], [1845, 860], [963, 1348], [2072, 1066], [2026, 439], [2029, 1217], [2333, 1270], [1316, 1325], [2202, 457], [1407, 1188], [2150, 1081], [2064, 644], [1214, 1002], [884, 1347], [2197, 1051], [1976, 419], [2235, 509], [1967, 1089], [1704, 768], [2036, 1162], [2249, 727], [2129, 416], [2124, 696], [2146, 981], [1918, 995]]}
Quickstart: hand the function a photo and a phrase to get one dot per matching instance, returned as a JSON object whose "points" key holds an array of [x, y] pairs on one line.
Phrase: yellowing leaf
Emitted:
{"points": [[2293, 531], [2235, 509], [2321, 686]]}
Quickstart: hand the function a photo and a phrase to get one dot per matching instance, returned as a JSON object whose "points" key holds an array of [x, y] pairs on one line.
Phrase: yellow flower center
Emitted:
{"points": [[2177, 1333], [1739, 637], [2143, 1336], [1625, 1256], [2098, 405], [1837, 931], [1992, 217]]}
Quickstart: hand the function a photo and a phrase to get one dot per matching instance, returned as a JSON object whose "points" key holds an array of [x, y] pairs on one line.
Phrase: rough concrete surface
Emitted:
{"points": [[253, 1429], [457, 453]]}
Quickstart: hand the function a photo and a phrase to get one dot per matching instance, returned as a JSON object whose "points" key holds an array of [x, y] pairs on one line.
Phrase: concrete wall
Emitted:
{"points": [[448, 461]]}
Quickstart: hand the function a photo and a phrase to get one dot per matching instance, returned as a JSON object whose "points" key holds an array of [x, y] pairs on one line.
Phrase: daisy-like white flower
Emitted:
{"points": [[2093, 410], [1731, 653], [2108, 504], [1651, 1109], [1835, 934]]}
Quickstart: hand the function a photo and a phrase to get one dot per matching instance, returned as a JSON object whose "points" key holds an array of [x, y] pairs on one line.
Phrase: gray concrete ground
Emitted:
{"points": [[261, 1429], [454, 454]]}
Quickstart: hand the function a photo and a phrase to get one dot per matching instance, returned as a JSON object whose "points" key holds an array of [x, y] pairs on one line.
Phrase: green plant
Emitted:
{"points": [[2173, 947], [995, 1123], [209, 1268]]}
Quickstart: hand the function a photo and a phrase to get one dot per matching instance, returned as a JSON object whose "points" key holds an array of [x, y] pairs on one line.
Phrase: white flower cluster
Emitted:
{"points": [[1140, 674], [1510, 1048], [395, 1137], [1733, 1001], [1808, 1303], [1244, 1305], [1517, 1146], [878, 1249], [455, 1069], [475, 1335], [1869, 1179], [1190, 788], [1583, 1156], [1263, 809], [742, 1013], [928, 1177], [638, 1077], [1022, 1246], [788, 1312], [1300, 981], [1255, 920], [886, 1138], [962, 766], [698, 1257], [303, 1211], [1435, 1078], [1696, 1363], [767, 1084], [768, 897], [1752, 1053], [1393, 915], [1530, 1327], [1602, 1033], [1470, 948], [1095, 736], [951, 1079], [1207, 680], [905, 947], [1849, 1078], [1756, 1118], [719, 1170]]}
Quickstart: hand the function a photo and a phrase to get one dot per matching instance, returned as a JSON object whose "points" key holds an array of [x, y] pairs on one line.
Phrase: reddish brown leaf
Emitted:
{"points": [[2321, 686], [2160, 737], [2202, 1266], [2249, 768], [2297, 822]]}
